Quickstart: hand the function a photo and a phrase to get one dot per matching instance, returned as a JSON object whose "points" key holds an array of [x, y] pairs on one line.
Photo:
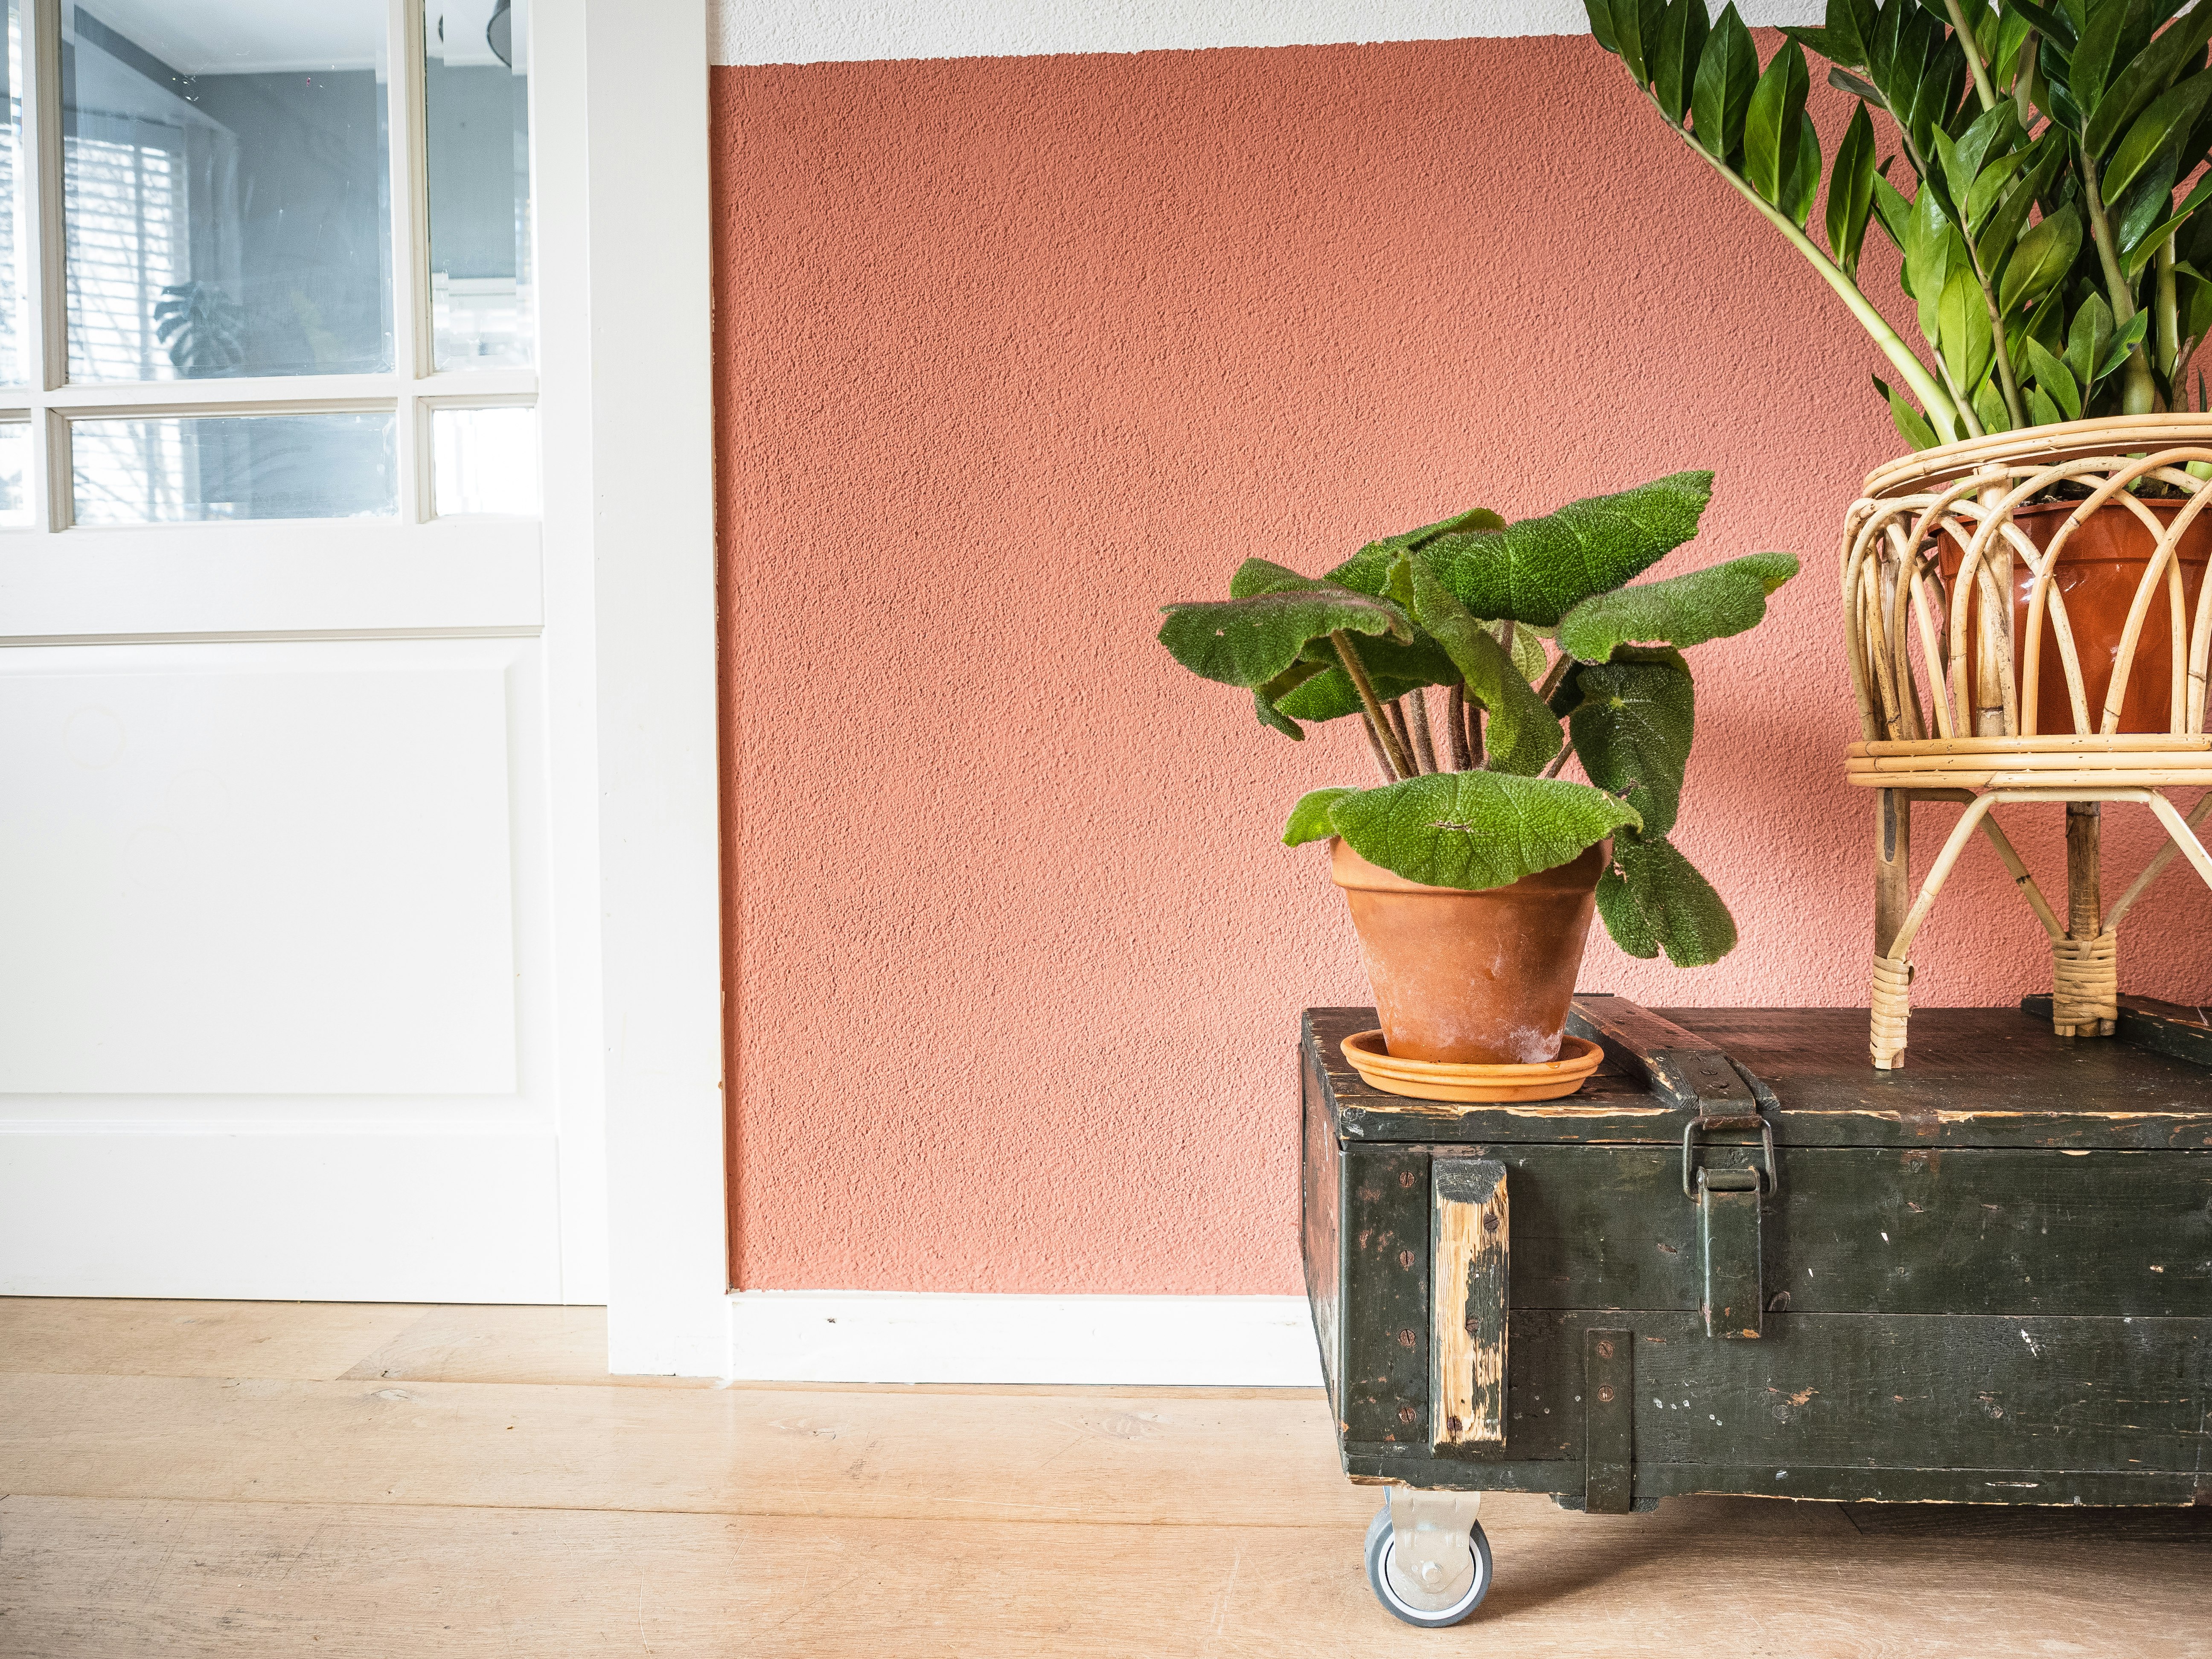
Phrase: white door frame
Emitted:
{"points": [[629, 543]]}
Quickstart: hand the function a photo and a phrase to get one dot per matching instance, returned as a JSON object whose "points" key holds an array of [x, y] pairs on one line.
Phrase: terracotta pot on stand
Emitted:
{"points": [[1473, 982]]}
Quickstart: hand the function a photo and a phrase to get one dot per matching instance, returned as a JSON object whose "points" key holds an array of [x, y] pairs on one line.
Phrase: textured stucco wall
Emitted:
{"points": [[1012, 350]]}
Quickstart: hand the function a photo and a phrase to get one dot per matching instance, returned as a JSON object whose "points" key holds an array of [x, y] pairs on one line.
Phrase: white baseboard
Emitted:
{"points": [[883, 1336]]}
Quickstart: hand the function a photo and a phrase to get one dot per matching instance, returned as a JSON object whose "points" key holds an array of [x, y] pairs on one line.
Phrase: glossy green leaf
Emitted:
{"points": [[2124, 340], [1534, 570], [1856, 85], [2052, 21], [1654, 899], [1990, 408], [1632, 720], [2148, 201], [1993, 134], [1962, 329], [1912, 425], [2088, 340], [1477, 829], [2041, 412], [2194, 295], [1850, 23], [1773, 123], [2042, 257], [1711, 604], [1894, 214], [1932, 248], [2147, 249], [2093, 53], [2136, 84], [1805, 188], [1309, 817], [1522, 734], [1720, 98], [1636, 33], [2056, 380], [1997, 238], [1851, 192], [1600, 23], [1988, 186], [1249, 641], [1675, 65], [2168, 118]]}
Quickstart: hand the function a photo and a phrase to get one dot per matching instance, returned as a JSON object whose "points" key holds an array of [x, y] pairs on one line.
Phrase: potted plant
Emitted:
{"points": [[2023, 166], [1472, 868]]}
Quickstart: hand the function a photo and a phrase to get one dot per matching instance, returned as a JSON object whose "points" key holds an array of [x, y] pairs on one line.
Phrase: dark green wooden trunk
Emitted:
{"points": [[1986, 1277]]}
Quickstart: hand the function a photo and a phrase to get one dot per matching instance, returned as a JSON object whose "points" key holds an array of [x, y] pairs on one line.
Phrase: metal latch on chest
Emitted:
{"points": [[1730, 1201]]}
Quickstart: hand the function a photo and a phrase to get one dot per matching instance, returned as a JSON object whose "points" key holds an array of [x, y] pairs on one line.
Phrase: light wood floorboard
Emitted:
{"points": [[284, 1480]]}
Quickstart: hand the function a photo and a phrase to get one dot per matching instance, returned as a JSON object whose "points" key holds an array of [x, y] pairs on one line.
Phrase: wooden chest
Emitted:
{"points": [[1742, 1261]]}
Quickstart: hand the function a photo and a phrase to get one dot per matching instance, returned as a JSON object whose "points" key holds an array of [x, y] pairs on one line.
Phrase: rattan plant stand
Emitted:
{"points": [[1949, 704]]}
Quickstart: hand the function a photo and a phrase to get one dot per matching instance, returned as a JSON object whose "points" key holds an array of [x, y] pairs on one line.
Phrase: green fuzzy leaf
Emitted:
{"points": [[1535, 570], [2088, 340], [1912, 425], [1331, 696], [1962, 329], [1675, 65], [1688, 610], [1522, 734], [1309, 817], [1728, 70], [1632, 720], [2044, 257], [1525, 648], [1851, 192], [1477, 829], [1266, 697], [1366, 571], [1395, 668], [1249, 641], [1256, 576], [2056, 380], [1771, 125], [1654, 899]]}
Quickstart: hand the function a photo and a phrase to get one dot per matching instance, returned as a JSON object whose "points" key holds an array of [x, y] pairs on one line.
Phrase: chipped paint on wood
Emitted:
{"points": [[1470, 1236]]}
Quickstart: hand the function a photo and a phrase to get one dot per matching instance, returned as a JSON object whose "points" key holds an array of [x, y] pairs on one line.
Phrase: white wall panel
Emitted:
{"points": [[258, 869], [846, 31]]}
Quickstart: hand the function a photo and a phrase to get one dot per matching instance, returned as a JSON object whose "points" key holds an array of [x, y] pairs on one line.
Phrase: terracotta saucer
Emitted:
{"points": [[1428, 1079]]}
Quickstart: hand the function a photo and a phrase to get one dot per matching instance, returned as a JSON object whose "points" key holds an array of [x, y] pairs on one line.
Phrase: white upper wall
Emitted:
{"points": [[853, 30]]}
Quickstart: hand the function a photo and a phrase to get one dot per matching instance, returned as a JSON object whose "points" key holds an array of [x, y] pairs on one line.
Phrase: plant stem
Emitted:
{"points": [[1982, 89], [1455, 729], [1475, 738], [1424, 744], [1558, 671], [2138, 395], [2167, 322], [1560, 759], [2007, 382], [1404, 744], [1942, 409], [1401, 763], [1375, 748]]}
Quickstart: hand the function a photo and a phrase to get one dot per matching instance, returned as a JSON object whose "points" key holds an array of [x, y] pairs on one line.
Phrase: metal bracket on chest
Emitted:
{"points": [[1608, 1421], [1728, 1244]]}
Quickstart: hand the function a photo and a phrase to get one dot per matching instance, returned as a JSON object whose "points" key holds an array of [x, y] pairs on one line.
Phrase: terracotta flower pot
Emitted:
{"points": [[1471, 977], [2099, 570]]}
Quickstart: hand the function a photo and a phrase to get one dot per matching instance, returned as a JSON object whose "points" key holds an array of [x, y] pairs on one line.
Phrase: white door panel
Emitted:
{"points": [[258, 869]]}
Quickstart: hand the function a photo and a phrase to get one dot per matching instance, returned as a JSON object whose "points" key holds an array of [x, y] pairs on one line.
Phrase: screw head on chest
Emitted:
{"points": [[1605, 1349], [1605, 1394]]}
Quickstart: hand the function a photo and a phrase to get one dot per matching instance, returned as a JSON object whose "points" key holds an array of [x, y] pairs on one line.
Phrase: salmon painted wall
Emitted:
{"points": [[1012, 350]]}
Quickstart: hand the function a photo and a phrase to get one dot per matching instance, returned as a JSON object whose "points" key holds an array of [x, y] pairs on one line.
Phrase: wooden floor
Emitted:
{"points": [[288, 1480]]}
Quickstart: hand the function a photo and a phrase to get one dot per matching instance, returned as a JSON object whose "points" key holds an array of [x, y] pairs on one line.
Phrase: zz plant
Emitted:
{"points": [[1471, 795], [2053, 274]]}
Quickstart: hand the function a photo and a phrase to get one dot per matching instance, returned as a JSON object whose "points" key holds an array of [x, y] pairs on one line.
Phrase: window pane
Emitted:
{"points": [[225, 188], [476, 102], [484, 461], [14, 326], [15, 474], [188, 469]]}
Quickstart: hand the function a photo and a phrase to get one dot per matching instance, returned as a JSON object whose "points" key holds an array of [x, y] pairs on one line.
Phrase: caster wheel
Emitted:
{"points": [[1402, 1597]]}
